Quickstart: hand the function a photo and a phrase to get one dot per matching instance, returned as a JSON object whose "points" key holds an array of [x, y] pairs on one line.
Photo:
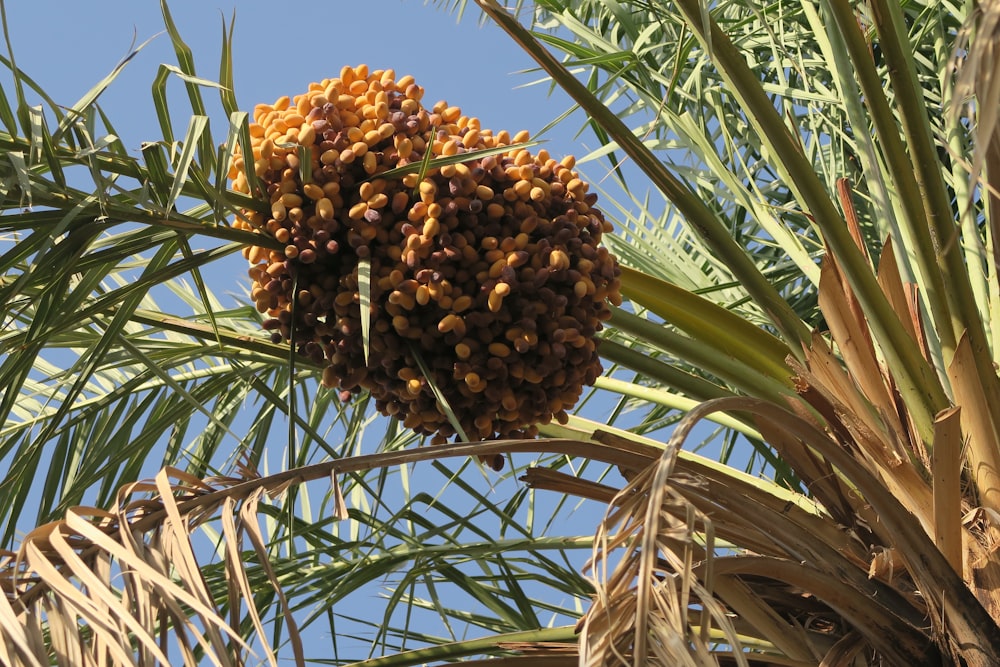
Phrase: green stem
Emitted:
{"points": [[704, 355], [213, 334], [707, 321], [673, 401], [683, 381], [115, 212], [478, 646]]}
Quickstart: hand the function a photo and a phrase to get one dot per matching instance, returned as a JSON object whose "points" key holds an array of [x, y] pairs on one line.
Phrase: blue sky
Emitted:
{"points": [[68, 46]]}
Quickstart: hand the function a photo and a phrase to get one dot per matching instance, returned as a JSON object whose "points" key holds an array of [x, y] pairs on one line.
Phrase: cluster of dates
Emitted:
{"points": [[489, 273]]}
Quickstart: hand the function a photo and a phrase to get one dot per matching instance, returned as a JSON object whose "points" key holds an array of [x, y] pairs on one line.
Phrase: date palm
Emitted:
{"points": [[820, 280]]}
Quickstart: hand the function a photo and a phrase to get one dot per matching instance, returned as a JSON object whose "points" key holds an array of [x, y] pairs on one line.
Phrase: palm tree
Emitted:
{"points": [[813, 133], [821, 282]]}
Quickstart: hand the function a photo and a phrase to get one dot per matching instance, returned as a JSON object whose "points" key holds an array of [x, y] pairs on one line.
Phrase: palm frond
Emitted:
{"points": [[134, 577]]}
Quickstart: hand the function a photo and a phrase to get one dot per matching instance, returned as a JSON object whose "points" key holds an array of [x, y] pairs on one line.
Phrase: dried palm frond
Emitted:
{"points": [[641, 607], [106, 587], [127, 586], [793, 589]]}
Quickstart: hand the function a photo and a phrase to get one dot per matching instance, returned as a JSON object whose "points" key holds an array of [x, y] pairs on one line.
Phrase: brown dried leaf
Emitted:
{"points": [[641, 612], [977, 424], [849, 330], [560, 482]]}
